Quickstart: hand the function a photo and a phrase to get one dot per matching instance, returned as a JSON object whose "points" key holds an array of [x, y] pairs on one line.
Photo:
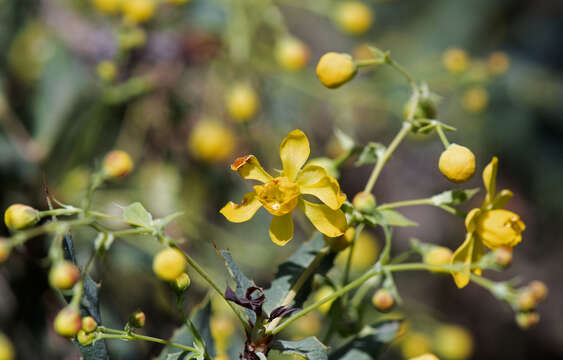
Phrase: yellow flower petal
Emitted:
{"points": [[500, 228], [281, 229], [315, 181], [502, 198], [468, 253], [490, 180], [294, 152], [244, 211], [249, 168], [471, 220], [330, 222]]}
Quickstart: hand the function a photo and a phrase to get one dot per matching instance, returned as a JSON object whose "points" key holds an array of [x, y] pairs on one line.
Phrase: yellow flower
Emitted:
{"points": [[455, 60], [242, 102], [335, 69], [282, 194], [211, 141], [354, 17], [490, 225], [107, 6], [6, 348], [292, 53], [138, 11]]}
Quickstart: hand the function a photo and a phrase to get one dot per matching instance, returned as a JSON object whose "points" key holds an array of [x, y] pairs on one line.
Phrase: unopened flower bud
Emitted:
{"points": [[242, 102], [353, 17], [138, 11], [383, 300], [68, 322], [457, 163], [182, 282], [19, 216], [438, 255], [455, 60], [335, 69], [5, 250], [106, 70], [169, 264], [89, 324], [475, 100], [526, 320], [538, 290], [137, 319], [6, 348], [292, 53], [503, 256], [117, 163], [341, 242], [453, 342], [211, 141], [64, 275], [364, 202], [526, 300], [85, 338], [107, 6], [498, 63]]}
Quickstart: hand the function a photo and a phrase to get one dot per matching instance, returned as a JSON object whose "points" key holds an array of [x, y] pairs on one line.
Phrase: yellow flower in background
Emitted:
{"points": [[138, 11], [415, 344], [455, 60], [453, 342], [242, 102], [426, 356], [354, 17], [335, 69], [211, 141], [292, 53], [475, 100], [490, 225], [498, 63], [366, 252], [107, 6], [6, 348], [281, 195]]}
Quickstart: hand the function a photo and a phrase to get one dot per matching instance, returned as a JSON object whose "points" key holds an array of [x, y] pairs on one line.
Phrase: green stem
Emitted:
{"points": [[134, 336], [58, 212], [442, 136], [346, 276], [369, 62], [397, 204], [395, 65], [208, 279], [50, 227], [386, 155]]}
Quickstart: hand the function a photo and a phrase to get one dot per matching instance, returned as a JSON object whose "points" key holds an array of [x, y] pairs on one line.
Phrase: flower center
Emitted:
{"points": [[279, 196]]}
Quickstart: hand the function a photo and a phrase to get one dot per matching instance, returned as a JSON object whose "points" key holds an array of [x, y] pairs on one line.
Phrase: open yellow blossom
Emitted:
{"points": [[490, 225], [281, 195]]}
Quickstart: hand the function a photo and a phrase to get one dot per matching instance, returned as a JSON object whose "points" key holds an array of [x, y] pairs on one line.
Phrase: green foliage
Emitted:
{"points": [[310, 348]]}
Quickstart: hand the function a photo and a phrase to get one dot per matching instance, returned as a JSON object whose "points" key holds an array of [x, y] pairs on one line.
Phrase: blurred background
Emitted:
{"points": [[187, 86]]}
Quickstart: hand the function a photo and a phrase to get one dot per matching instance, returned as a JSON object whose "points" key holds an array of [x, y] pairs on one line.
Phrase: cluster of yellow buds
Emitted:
{"points": [[86, 335], [527, 300]]}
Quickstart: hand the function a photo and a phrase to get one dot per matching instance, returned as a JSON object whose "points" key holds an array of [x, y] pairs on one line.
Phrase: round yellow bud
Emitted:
{"points": [[455, 60], [19, 216], [106, 70], [335, 69], [6, 348], [137, 319], [539, 290], [68, 322], [5, 250], [500, 228], [182, 282], [64, 275], [138, 11], [383, 300], [85, 338], [415, 344], [453, 342], [498, 63], [117, 163], [169, 264], [364, 202], [503, 256], [292, 53], [242, 102], [211, 141], [354, 17], [426, 356], [131, 38], [89, 324], [527, 320], [475, 100], [438, 255], [107, 6], [308, 325], [457, 163], [526, 300], [366, 251], [342, 242], [322, 293], [222, 329]]}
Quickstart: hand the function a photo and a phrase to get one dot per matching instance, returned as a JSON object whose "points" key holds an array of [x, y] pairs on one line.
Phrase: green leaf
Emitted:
{"points": [[454, 197], [389, 218], [161, 223], [241, 281], [310, 348], [137, 214], [346, 141], [369, 343], [371, 153], [200, 318], [290, 270]]}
